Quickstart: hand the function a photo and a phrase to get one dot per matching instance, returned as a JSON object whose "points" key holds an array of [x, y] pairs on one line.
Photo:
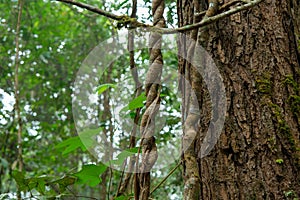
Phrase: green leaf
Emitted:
{"points": [[38, 183], [90, 174], [121, 4], [41, 185], [138, 102], [64, 182], [84, 141], [123, 155], [70, 145], [121, 198], [88, 136], [102, 88], [20, 180]]}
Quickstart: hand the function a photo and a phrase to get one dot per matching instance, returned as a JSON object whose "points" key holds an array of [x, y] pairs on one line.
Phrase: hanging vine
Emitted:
{"points": [[123, 185], [17, 96], [152, 90]]}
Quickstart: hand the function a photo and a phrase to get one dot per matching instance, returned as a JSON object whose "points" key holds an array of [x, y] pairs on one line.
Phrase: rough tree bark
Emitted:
{"points": [[257, 155]]}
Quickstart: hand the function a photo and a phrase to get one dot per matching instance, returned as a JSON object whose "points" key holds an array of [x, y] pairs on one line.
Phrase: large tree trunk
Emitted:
{"points": [[258, 153]]}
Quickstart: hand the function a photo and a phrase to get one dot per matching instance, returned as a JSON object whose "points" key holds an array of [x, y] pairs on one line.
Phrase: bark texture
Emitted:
{"points": [[257, 155]]}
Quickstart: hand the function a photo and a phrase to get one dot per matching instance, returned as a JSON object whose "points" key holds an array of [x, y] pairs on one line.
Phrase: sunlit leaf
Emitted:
{"points": [[138, 102], [71, 145], [123, 155], [90, 174], [102, 88], [88, 136], [83, 141]]}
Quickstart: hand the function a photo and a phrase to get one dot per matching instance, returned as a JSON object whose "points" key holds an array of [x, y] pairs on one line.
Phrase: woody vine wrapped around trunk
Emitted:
{"points": [[193, 93]]}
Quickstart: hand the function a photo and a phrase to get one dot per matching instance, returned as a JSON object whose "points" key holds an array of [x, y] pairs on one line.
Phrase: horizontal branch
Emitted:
{"points": [[223, 7], [93, 9], [212, 19], [124, 19]]}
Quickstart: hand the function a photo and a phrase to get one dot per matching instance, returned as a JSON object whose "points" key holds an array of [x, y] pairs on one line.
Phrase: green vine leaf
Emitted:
{"points": [[90, 174], [138, 102], [70, 145], [20, 180], [123, 155], [102, 88], [83, 141], [64, 182]]}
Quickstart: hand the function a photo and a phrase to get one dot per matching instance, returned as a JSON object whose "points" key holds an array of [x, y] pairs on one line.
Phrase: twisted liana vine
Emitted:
{"points": [[152, 90]]}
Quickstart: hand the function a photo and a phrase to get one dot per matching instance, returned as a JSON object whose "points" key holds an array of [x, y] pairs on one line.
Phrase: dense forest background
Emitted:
{"points": [[47, 154], [54, 41]]}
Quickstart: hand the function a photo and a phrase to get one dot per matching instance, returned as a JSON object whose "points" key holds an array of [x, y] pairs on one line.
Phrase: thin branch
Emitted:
{"points": [[210, 20], [93, 9], [170, 173], [16, 88], [223, 7], [124, 185], [134, 23]]}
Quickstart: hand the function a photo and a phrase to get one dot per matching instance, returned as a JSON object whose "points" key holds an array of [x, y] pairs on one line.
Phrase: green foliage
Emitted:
{"points": [[138, 102], [83, 142], [39, 183], [122, 198], [123, 155], [102, 88], [20, 179], [55, 38], [71, 145], [90, 174]]}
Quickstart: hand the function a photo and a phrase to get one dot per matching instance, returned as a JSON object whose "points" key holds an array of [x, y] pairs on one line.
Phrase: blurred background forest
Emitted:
{"points": [[54, 40]]}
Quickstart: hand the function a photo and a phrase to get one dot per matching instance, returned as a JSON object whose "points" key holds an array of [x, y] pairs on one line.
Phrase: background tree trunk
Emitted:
{"points": [[258, 153]]}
